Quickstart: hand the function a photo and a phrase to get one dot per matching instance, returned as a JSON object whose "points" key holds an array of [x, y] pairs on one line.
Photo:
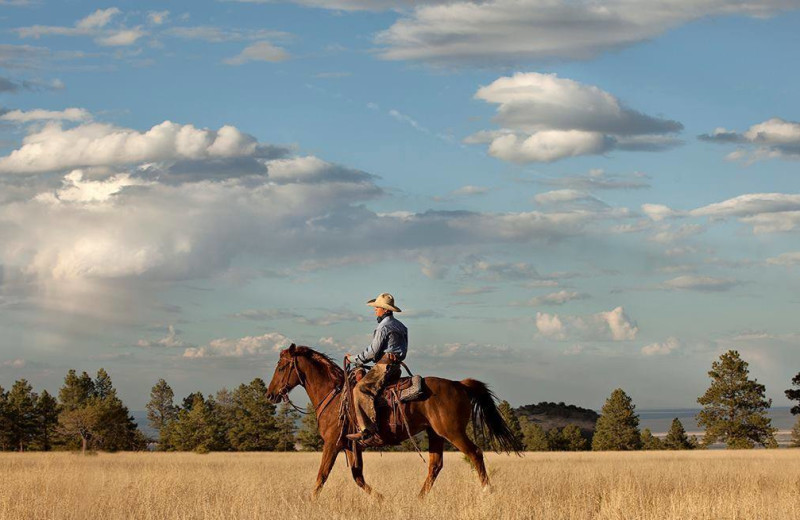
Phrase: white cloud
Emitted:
{"points": [[120, 38], [94, 25], [471, 190], [598, 179], [97, 144], [157, 17], [662, 349], [701, 283], [68, 114], [249, 346], [613, 325], [545, 118], [556, 298], [259, 51], [171, 340], [14, 363], [515, 31], [773, 138], [658, 212], [786, 259]]}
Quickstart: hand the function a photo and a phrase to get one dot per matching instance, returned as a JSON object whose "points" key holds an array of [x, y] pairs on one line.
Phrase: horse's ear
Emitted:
{"points": [[292, 348]]}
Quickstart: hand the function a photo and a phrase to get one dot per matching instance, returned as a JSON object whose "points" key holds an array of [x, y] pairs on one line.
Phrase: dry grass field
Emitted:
{"points": [[645, 485]]}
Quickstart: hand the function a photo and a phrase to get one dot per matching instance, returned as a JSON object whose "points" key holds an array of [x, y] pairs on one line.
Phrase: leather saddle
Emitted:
{"points": [[406, 389]]}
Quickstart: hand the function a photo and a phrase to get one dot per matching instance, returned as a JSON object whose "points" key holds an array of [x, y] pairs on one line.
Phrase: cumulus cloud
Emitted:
{"points": [[248, 346], [765, 212], [53, 147], [701, 283], [514, 31], [68, 114], [663, 348], [613, 325], [773, 138], [545, 118], [259, 51], [471, 190], [171, 340]]}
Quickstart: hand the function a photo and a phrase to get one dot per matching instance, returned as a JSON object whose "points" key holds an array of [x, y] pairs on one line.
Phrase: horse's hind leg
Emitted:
{"points": [[435, 461], [357, 469], [468, 448]]}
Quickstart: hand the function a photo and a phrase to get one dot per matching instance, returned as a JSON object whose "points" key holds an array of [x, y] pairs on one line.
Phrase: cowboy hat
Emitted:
{"points": [[384, 301]]}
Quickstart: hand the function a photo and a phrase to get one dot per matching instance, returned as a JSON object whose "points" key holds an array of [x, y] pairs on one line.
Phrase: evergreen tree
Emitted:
{"points": [[533, 436], [796, 434], [47, 411], [253, 427], [794, 394], [554, 440], [221, 409], [308, 436], [650, 441], [79, 422], [285, 425], [191, 399], [161, 409], [5, 421], [511, 419], [20, 405], [735, 407], [103, 387], [76, 390], [676, 438], [116, 428], [618, 426], [193, 430], [572, 439]]}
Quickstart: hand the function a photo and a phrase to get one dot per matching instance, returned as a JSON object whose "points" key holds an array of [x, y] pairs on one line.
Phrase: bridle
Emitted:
{"points": [[283, 393]]}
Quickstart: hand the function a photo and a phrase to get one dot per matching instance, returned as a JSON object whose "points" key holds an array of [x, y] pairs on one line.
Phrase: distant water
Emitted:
{"points": [[659, 421]]}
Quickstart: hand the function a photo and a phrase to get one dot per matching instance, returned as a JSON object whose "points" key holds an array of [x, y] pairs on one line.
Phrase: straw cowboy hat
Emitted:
{"points": [[384, 301]]}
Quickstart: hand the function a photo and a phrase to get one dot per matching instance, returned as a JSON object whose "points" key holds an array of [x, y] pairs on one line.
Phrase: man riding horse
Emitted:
{"points": [[387, 349]]}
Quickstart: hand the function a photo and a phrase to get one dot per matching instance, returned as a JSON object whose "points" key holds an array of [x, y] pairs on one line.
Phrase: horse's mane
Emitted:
{"points": [[333, 370]]}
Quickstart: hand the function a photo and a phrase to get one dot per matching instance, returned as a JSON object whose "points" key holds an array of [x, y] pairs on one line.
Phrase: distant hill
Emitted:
{"points": [[557, 415]]}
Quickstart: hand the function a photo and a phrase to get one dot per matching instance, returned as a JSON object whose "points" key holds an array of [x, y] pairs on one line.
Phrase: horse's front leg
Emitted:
{"points": [[357, 469], [329, 453]]}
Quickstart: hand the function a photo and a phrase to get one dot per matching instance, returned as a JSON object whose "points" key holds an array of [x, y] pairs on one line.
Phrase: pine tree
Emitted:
{"points": [[794, 394], [161, 409], [47, 411], [79, 422], [222, 416], [572, 439], [116, 428], [554, 440], [193, 430], [511, 419], [676, 438], [76, 390], [308, 436], [5, 421], [796, 434], [285, 422], [735, 407], [534, 437], [650, 441], [20, 405], [253, 427], [618, 426]]}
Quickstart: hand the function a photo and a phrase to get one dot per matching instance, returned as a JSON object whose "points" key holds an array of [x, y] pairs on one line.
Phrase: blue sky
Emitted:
{"points": [[564, 197]]}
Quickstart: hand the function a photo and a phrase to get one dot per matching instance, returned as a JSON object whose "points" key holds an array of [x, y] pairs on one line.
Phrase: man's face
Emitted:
{"points": [[379, 311]]}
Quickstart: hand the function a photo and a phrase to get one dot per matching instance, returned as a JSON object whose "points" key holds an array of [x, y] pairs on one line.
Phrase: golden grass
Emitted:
{"points": [[644, 485]]}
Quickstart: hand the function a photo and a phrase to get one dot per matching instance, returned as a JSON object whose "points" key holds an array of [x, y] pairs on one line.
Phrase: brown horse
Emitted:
{"points": [[443, 413]]}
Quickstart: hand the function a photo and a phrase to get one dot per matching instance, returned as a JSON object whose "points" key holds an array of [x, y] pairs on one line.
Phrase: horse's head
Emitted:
{"points": [[287, 375]]}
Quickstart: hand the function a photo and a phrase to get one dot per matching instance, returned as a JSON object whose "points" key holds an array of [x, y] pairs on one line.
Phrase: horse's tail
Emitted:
{"points": [[487, 418]]}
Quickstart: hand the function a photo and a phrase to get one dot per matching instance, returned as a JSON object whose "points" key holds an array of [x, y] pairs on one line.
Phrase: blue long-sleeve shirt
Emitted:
{"points": [[390, 336]]}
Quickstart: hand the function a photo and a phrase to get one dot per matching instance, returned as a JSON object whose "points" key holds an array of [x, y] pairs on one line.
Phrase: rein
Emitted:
{"points": [[284, 391]]}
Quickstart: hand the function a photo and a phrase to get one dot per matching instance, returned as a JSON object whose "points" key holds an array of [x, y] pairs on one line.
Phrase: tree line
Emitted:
{"points": [[88, 415]]}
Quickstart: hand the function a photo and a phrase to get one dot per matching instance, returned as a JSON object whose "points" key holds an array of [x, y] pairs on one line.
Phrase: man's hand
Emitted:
{"points": [[348, 356]]}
